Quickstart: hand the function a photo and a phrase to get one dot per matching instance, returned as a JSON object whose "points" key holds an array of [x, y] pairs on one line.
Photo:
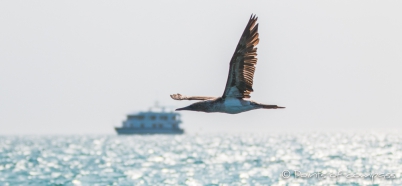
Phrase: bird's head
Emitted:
{"points": [[199, 106]]}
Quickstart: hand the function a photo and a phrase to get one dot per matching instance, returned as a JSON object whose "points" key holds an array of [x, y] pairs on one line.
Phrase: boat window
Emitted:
{"points": [[174, 117], [153, 125], [153, 117], [160, 126], [135, 117], [174, 126], [163, 117], [142, 125]]}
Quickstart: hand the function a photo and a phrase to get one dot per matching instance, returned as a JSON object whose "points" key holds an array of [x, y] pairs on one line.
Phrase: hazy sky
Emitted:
{"points": [[78, 67]]}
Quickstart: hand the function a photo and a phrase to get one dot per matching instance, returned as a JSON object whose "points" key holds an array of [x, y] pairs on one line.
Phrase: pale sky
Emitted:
{"points": [[78, 67]]}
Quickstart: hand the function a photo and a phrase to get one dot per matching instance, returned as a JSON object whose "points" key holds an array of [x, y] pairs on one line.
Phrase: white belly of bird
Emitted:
{"points": [[234, 106]]}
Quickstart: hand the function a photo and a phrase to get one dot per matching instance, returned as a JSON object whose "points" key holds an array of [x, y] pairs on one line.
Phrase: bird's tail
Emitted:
{"points": [[271, 106]]}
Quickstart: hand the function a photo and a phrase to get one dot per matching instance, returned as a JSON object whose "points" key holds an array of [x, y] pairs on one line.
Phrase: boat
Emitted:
{"points": [[157, 120]]}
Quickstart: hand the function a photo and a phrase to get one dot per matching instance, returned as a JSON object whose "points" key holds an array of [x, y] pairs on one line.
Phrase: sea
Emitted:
{"points": [[294, 159]]}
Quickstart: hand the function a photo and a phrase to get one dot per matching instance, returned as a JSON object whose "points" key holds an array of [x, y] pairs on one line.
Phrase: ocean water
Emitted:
{"points": [[205, 159]]}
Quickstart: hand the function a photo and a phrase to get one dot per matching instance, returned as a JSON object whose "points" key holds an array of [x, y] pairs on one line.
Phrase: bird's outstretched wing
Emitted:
{"points": [[181, 97], [242, 65]]}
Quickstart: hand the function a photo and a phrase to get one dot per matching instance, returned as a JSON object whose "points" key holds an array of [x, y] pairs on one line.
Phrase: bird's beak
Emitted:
{"points": [[184, 108]]}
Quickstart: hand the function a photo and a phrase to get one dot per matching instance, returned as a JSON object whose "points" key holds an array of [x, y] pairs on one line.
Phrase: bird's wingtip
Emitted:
{"points": [[253, 16], [176, 96]]}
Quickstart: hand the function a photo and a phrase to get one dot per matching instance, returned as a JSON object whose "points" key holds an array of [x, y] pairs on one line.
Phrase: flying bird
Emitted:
{"points": [[239, 84]]}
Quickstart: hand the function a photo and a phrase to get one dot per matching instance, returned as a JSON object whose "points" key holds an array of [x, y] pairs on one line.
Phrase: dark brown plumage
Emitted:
{"points": [[242, 64], [239, 84]]}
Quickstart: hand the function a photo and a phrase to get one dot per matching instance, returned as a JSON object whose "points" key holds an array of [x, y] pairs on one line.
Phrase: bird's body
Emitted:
{"points": [[228, 105], [240, 80]]}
